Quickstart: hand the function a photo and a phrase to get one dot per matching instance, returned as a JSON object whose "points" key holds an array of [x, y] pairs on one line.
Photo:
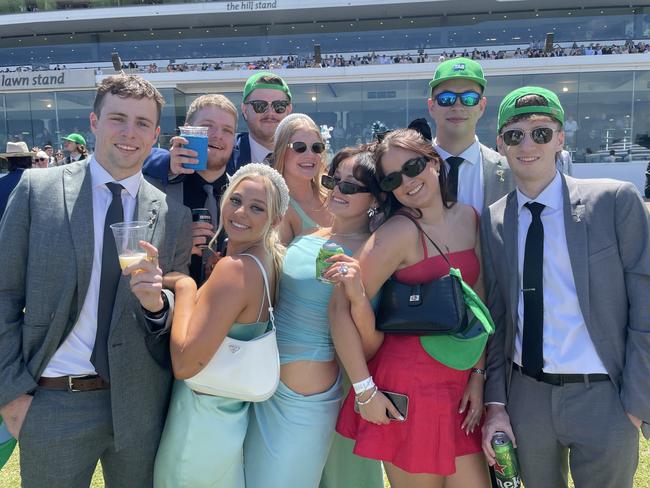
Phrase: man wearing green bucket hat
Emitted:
{"points": [[476, 175], [567, 272]]}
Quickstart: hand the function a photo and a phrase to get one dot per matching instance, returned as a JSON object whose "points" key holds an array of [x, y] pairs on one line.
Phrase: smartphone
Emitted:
{"points": [[399, 400]]}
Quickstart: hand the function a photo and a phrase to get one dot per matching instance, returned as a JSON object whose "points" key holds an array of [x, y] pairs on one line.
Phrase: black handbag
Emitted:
{"points": [[436, 307]]}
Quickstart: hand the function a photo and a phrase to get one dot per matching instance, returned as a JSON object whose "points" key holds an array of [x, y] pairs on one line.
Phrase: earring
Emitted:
{"points": [[372, 211]]}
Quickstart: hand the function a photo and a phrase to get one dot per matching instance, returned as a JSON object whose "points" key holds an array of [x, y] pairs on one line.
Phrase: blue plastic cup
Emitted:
{"points": [[197, 140]]}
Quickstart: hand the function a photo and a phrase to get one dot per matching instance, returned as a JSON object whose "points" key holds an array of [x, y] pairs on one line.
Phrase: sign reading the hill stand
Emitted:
{"points": [[251, 5], [47, 80]]}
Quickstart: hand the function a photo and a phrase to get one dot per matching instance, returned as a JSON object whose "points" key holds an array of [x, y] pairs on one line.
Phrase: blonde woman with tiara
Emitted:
{"points": [[202, 443], [299, 155]]}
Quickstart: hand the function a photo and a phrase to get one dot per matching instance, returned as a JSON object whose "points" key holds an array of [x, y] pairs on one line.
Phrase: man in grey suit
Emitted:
{"points": [[567, 269], [83, 349], [477, 175]]}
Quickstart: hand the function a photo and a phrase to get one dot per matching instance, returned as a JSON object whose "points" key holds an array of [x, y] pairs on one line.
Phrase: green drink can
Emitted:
{"points": [[506, 469], [328, 250]]}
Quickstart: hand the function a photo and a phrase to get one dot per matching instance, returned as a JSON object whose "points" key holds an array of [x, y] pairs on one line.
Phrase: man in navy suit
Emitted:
{"points": [[18, 158], [265, 102]]}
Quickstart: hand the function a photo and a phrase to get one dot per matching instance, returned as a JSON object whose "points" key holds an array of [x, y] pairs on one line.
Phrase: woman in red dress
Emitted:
{"points": [[439, 443]]}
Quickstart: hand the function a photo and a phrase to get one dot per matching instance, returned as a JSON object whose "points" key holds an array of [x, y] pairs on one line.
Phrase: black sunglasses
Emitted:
{"points": [[42, 159], [261, 106], [540, 135], [345, 187], [448, 98], [410, 168], [301, 147]]}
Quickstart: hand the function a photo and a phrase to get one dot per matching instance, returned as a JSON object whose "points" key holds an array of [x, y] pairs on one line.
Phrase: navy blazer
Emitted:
{"points": [[7, 184]]}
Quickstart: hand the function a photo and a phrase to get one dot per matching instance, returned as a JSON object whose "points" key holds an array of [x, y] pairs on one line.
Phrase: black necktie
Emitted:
{"points": [[452, 177], [533, 340], [110, 277], [211, 204]]}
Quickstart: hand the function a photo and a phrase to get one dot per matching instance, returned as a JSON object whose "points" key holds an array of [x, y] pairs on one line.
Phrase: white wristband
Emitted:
{"points": [[363, 385]]}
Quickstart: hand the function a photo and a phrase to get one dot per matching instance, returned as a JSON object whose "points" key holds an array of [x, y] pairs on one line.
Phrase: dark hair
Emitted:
{"points": [[410, 140], [365, 170], [128, 86], [531, 100], [16, 162]]}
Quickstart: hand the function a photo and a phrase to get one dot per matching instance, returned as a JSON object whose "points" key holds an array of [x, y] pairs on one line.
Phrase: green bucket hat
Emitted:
{"points": [[461, 351], [254, 82], [7, 444], [463, 68], [74, 137], [508, 108]]}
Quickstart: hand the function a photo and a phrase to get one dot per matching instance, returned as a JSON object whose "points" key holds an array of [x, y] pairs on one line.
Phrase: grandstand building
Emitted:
{"points": [[377, 55]]}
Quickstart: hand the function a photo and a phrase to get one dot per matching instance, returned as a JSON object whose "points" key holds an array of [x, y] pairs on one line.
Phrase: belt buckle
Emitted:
{"points": [[74, 377]]}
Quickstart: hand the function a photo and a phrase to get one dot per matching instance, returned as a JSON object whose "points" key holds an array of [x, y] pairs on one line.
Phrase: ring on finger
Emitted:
{"points": [[343, 269]]}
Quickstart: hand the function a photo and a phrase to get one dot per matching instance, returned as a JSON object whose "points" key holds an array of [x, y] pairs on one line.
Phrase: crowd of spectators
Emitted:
{"points": [[535, 50]]}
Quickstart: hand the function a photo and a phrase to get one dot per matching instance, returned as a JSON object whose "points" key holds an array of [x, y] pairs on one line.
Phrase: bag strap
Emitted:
{"points": [[266, 286], [417, 224]]}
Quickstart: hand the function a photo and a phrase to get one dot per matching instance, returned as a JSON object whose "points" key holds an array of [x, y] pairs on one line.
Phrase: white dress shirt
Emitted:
{"points": [[73, 356], [567, 346], [470, 174], [258, 152]]}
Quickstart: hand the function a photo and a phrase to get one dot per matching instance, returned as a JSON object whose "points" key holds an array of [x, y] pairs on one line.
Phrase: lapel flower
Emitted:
{"points": [[500, 173]]}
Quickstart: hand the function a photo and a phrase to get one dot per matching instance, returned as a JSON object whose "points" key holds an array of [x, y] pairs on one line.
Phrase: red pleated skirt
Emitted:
{"points": [[431, 437]]}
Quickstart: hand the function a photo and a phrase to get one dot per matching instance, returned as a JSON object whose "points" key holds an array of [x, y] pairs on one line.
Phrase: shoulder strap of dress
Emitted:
{"points": [[417, 224], [266, 287]]}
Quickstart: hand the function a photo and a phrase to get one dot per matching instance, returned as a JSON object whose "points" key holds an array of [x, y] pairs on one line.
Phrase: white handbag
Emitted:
{"points": [[244, 370]]}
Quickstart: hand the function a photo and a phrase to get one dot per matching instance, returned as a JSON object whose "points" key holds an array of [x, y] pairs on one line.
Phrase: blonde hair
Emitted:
{"points": [[277, 202], [286, 129], [210, 100]]}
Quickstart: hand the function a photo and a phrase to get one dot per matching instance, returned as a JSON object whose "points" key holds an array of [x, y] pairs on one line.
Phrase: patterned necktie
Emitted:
{"points": [[110, 277], [211, 204], [532, 354], [452, 177]]}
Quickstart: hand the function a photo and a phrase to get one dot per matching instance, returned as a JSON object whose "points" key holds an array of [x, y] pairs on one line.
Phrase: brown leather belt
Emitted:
{"points": [[74, 383]]}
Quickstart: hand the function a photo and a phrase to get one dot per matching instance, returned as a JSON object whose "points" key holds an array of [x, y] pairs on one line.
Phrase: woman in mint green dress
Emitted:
{"points": [[290, 435], [202, 443]]}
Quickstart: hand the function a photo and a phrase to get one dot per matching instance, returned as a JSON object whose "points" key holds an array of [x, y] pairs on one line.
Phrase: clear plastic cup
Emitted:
{"points": [[197, 140], [127, 239]]}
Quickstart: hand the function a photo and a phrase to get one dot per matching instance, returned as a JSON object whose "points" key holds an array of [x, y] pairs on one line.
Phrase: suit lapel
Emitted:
{"points": [[147, 206], [576, 237], [77, 187], [511, 246], [493, 179]]}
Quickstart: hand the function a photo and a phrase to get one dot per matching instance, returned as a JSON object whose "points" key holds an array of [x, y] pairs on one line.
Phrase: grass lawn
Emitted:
{"points": [[10, 476]]}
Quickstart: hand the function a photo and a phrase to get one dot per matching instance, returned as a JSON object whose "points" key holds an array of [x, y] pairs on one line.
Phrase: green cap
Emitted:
{"points": [[463, 68], [7, 444], [254, 82], [74, 137], [508, 108], [461, 351]]}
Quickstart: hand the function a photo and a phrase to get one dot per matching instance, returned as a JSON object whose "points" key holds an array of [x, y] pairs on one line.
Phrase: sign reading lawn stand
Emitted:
{"points": [[47, 80]]}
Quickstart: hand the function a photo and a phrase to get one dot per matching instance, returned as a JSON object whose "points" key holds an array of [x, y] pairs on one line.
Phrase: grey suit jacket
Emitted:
{"points": [[497, 177], [608, 239], [46, 238]]}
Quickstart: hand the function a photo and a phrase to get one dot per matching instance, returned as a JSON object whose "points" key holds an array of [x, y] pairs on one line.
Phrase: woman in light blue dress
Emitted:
{"points": [[299, 155], [202, 443], [289, 435]]}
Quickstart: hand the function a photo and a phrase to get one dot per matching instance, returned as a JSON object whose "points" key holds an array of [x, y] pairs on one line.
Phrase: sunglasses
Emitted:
{"points": [[540, 135], [41, 159], [448, 98], [345, 187], [410, 168], [301, 147], [261, 106]]}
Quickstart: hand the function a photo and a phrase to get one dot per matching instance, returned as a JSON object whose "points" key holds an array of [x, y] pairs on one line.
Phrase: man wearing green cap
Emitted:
{"points": [[75, 145], [477, 175], [566, 264], [265, 102]]}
